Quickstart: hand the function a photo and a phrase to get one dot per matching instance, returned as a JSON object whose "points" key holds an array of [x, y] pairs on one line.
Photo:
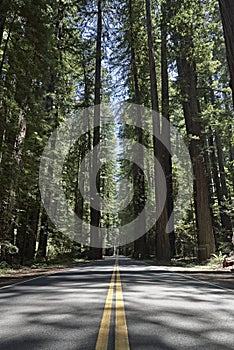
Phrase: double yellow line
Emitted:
{"points": [[121, 331]]}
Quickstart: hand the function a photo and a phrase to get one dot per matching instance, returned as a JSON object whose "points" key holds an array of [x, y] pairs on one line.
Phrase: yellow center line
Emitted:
{"points": [[102, 341], [121, 331]]}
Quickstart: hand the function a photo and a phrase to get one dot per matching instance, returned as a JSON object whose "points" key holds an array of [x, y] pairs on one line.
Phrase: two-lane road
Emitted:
{"points": [[116, 304]]}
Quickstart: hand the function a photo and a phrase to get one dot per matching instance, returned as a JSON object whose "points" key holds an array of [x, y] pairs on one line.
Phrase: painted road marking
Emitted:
{"points": [[121, 331], [103, 336]]}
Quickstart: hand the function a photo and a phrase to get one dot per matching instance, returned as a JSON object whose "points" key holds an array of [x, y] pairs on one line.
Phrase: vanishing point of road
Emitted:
{"points": [[116, 304]]}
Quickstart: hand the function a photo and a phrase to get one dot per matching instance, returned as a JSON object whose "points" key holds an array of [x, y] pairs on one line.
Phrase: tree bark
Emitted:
{"points": [[187, 78], [95, 215], [3, 14], [43, 236], [162, 237], [165, 129], [10, 175], [220, 181], [227, 16], [225, 197], [140, 249]]}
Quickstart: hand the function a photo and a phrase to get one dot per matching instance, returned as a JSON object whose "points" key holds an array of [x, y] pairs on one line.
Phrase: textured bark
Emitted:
{"points": [[224, 195], [187, 77], [162, 237], [43, 236], [140, 248], [80, 183], [95, 215], [27, 223], [3, 14], [3, 114], [165, 129], [212, 173], [3, 106], [8, 191], [231, 156], [6, 43], [227, 15]]}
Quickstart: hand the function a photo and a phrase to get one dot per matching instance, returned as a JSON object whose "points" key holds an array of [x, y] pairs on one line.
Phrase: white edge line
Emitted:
{"points": [[35, 278], [22, 282], [194, 278], [43, 275], [205, 282]]}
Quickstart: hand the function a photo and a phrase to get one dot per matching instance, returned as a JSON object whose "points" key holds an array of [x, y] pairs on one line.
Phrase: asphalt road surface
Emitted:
{"points": [[116, 304]]}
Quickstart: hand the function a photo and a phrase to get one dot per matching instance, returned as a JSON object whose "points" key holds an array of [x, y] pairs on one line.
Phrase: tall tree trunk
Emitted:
{"points": [[227, 15], [212, 186], [187, 78], [162, 237], [226, 220], [3, 14], [43, 236], [80, 183], [95, 214], [6, 44], [165, 126], [231, 156], [3, 106], [51, 104], [215, 176], [220, 181], [140, 249], [33, 222], [3, 119], [11, 174]]}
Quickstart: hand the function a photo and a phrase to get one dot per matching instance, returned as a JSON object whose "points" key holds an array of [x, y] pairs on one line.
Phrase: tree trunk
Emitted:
{"points": [[3, 14], [3, 114], [187, 77], [6, 44], [231, 156], [162, 237], [79, 201], [209, 161], [227, 15], [140, 249], [226, 221], [165, 129], [33, 222], [10, 176], [220, 181], [43, 236], [95, 215]]}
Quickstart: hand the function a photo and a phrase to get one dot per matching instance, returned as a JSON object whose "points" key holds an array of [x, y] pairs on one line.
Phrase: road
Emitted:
{"points": [[116, 305]]}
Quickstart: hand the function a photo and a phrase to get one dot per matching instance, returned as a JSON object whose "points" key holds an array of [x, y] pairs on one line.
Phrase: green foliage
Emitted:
{"points": [[9, 248], [47, 71], [217, 258]]}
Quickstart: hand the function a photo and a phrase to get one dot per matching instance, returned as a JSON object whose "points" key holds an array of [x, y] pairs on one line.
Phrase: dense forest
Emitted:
{"points": [[174, 57]]}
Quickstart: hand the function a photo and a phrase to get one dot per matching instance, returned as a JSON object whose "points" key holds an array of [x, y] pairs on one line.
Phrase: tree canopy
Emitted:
{"points": [[60, 57]]}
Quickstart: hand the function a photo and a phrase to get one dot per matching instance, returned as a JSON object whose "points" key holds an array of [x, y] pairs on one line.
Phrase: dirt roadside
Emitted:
{"points": [[16, 276], [223, 277]]}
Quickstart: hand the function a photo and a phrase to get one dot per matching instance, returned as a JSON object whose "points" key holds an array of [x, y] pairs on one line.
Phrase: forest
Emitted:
{"points": [[58, 59]]}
